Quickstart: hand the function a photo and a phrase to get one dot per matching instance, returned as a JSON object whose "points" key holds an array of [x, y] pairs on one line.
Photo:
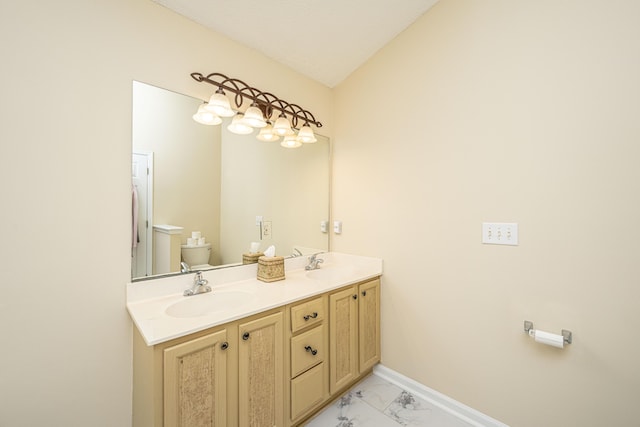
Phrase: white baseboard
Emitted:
{"points": [[455, 408]]}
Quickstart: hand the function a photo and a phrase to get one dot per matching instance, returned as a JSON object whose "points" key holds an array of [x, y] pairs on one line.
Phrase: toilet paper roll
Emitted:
{"points": [[547, 338], [201, 241], [191, 241], [196, 234]]}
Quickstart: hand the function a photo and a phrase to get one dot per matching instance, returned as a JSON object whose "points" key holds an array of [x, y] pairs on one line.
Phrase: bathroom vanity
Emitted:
{"points": [[269, 354]]}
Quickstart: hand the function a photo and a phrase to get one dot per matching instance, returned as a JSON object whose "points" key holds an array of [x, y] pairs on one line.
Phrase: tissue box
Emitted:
{"points": [[251, 258], [270, 269]]}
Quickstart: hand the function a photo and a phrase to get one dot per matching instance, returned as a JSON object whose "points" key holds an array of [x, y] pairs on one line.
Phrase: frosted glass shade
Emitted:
{"points": [[219, 104], [266, 134], [238, 126], [206, 117], [290, 141], [282, 126], [254, 118], [306, 135]]}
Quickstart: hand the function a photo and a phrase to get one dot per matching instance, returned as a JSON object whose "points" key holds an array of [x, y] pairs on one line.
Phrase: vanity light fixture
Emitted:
{"points": [[263, 106]]}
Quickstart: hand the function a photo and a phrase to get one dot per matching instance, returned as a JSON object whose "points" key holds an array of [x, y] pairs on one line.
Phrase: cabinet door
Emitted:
{"points": [[195, 381], [261, 372], [343, 338], [369, 324]]}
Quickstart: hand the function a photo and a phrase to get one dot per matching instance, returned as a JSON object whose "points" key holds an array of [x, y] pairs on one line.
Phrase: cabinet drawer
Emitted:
{"points": [[308, 390], [307, 349], [307, 314]]}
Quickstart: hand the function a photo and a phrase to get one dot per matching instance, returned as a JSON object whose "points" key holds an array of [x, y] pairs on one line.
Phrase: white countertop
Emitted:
{"points": [[147, 301]]}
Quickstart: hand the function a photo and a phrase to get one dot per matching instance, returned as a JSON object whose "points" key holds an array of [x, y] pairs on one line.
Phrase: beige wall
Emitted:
{"points": [[65, 190], [503, 111]]}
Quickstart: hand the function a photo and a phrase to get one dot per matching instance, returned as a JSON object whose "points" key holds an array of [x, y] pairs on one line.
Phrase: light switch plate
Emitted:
{"points": [[500, 233], [266, 230]]}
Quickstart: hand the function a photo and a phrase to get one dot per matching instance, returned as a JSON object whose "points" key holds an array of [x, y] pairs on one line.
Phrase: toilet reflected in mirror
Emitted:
{"points": [[196, 257]]}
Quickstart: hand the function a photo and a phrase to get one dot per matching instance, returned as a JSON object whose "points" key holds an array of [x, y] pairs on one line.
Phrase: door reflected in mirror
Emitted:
{"points": [[231, 189]]}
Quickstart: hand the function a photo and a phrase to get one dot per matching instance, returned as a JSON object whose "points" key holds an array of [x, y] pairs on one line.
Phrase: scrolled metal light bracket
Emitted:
{"points": [[266, 101]]}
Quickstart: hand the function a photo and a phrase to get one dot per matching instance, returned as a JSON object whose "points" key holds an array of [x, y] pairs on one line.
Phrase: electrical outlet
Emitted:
{"points": [[266, 229], [500, 233]]}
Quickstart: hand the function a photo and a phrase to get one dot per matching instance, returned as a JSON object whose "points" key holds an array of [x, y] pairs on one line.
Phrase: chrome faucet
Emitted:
{"points": [[200, 286], [313, 262], [184, 268]]}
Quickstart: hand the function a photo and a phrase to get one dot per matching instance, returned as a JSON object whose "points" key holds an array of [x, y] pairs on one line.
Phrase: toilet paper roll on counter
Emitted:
{"points": [[547, 338], [196, 235]]}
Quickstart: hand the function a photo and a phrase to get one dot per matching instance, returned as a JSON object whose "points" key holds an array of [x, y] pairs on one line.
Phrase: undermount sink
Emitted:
{"points": [[203, 304], [331, 272]]}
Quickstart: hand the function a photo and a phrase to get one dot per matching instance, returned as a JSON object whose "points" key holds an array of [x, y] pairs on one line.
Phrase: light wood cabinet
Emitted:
{"points": [[343, 338], [354, 333], [276, 368], [307, 365], [195, 382], [368, 324], [186, 381], [261, 365]]}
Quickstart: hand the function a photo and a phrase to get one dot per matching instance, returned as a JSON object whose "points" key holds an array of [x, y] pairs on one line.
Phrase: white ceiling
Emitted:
{"points": [[325, 40]]}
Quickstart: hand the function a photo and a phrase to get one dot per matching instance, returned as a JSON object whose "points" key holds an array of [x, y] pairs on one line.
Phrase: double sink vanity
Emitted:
{"points": [[251, 353]]}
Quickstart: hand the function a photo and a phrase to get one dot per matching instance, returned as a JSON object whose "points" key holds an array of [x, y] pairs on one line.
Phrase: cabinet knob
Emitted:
{"points": [[311, 350], [224, 345], [310, 316], [364, 293], [245, 336], [355, 296]]}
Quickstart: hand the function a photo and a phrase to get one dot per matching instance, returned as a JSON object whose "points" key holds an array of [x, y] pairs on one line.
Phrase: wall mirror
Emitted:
{"points": [[231, 189]]}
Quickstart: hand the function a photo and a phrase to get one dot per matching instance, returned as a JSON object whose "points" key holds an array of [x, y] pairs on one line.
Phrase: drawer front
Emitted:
{"points": [[308, 390], [307, 314], [307, 349]]}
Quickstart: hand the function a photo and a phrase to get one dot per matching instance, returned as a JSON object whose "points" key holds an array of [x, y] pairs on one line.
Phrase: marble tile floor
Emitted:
{"points": [[374, 402]]}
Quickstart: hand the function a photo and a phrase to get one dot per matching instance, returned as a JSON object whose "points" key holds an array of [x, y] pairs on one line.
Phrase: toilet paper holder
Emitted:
{"points": [[566, 335]]}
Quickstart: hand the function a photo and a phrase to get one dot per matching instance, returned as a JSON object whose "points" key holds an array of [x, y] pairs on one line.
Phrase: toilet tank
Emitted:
{"points": [[196, 255]]}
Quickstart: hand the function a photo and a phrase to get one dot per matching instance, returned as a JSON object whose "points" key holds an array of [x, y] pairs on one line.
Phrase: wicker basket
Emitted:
{"points": [[251, 258], [270, 269]]}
